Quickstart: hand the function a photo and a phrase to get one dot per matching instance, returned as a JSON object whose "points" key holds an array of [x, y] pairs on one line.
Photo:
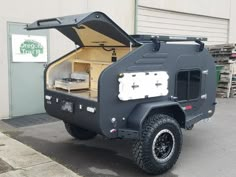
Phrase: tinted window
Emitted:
{"points": [[194, 84], [182, 85], [188, 85]]}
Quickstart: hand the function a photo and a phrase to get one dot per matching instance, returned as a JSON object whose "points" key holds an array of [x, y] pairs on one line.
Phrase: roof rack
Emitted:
{"points": [[149, 38], [156, 40]]}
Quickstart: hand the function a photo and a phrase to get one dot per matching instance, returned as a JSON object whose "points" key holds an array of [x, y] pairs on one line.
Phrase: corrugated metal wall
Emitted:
{"points": [[161, 22]]}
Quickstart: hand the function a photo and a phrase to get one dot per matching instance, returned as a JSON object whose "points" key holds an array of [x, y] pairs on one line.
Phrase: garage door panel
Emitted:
{"points": [[179, 16], [180, 22], [160, 22], [183, 27], [176, 34], [180, 32]]}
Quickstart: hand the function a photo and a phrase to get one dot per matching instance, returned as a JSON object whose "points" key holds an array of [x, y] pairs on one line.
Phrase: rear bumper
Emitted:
{"points": [[84, 113]]}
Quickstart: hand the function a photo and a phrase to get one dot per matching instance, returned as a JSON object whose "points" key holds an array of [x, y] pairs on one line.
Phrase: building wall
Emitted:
{"points": [[27, 11], [122, 12], [213, 8], [232, 25]]}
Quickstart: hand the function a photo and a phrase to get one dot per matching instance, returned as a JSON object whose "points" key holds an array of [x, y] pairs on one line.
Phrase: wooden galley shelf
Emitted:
{"points": [[94, 68]]}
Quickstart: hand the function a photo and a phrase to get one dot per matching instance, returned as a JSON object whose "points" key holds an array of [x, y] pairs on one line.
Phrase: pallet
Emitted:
{"points": [[225, 54], [225, 84], [225, 61], [221, 46], [233, 89], [226, 77], [231, 68], [221, 95]]}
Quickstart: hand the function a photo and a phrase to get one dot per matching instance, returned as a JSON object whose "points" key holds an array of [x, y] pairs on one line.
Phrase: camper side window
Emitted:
{"points": [[188, 85]]}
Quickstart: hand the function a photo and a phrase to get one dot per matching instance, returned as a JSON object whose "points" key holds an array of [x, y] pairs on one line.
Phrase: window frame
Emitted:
{"points": [[188, 84]]}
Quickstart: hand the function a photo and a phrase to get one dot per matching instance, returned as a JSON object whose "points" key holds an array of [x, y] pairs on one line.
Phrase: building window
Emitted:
{"points": [[188, 85]]}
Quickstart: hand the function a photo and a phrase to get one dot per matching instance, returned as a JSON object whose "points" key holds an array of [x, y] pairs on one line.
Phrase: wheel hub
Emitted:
{"points": [[163, 145]]}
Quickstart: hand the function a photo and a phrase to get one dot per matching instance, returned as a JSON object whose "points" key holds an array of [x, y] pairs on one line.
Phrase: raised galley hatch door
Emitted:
{"points": [[91, 29]]}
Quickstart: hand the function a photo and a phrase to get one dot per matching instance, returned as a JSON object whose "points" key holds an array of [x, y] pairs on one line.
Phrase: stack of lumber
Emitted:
{"points": [[225, 55]]}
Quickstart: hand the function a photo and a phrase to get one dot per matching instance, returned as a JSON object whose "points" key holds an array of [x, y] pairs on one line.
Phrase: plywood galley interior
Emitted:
{"points": [[78, 73]]}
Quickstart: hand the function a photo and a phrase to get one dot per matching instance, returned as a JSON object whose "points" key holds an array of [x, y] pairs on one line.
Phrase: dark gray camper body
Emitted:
{"points": [[111, 116], [129, 115]]}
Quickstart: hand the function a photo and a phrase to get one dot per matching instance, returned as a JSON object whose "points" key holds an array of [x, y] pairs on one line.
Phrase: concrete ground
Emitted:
{"points": [[18, 160], [208, 150]]}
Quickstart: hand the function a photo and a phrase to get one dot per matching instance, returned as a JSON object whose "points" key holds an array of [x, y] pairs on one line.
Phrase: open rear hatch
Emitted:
{"points": [[100, 41], [88, 30]]}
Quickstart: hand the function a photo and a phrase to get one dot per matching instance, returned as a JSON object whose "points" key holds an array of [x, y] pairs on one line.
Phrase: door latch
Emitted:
{"points": [[204, 96], [174, 98], [205, 72]]}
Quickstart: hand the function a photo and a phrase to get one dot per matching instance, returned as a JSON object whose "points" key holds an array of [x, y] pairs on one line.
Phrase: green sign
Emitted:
{"points": [[31, 47]]}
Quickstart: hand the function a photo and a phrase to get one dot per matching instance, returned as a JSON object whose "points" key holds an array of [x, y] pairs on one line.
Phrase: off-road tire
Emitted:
{"points": [[144, 150], [79, 133]]}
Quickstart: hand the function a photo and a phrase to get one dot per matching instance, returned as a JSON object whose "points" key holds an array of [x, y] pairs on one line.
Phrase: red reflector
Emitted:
{"points": [[188, 107]]}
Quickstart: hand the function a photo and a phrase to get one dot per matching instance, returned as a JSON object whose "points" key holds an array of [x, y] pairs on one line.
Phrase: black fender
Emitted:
{"points": [[142, 111]]}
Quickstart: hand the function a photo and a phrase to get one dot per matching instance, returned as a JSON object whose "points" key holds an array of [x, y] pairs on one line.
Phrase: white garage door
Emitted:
{"points": [[161, 22]]}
